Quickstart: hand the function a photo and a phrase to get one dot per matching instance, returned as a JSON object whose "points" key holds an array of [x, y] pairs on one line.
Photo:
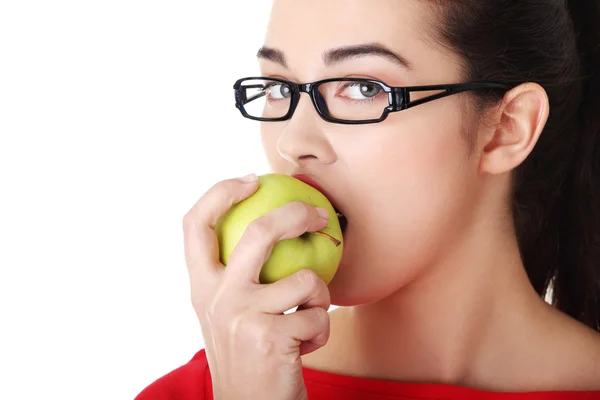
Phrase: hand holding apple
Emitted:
{"points": [[253, 347], [319, 251]]}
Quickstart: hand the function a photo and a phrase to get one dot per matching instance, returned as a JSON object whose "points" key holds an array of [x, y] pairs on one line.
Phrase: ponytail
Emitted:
{"points": [[556, 190], [576, 284]]}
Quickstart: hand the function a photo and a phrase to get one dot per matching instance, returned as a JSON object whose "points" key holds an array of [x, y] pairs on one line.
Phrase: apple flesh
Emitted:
{"points": [[319, 251]]}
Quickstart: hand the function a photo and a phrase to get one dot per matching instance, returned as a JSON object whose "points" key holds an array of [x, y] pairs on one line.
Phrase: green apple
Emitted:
{"points": [[319, 251]]}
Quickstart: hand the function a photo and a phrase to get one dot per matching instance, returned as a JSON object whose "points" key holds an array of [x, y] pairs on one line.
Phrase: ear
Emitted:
{"points": [[521, 119]]}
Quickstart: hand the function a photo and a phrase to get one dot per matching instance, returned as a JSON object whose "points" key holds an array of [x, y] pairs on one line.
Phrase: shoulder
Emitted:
{"points": [[190, 381], [572, 354]]}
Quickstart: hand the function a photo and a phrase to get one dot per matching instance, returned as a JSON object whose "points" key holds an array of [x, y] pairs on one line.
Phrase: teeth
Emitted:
{"points": [[343, 221], [342, 218]]}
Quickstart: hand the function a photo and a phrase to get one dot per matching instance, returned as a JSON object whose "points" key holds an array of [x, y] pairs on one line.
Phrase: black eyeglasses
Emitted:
{"points": [[339, 100]]}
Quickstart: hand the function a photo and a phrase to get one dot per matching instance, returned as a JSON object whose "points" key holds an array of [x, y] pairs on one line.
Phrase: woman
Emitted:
{"points": [[464, 204]]}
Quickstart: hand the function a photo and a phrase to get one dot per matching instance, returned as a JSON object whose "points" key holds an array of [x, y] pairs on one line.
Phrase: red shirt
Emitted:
{"points": [[192, 381]]}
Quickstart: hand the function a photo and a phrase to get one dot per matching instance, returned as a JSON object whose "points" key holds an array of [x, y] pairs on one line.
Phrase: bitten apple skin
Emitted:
{"points": [[309, 251]]}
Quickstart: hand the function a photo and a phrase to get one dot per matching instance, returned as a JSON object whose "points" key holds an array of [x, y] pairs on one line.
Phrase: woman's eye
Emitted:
{"points": [[279, 91], [361, 90]]}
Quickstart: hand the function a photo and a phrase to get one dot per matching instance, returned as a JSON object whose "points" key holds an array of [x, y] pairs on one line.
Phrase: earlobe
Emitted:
{"points": [[520, 121]]}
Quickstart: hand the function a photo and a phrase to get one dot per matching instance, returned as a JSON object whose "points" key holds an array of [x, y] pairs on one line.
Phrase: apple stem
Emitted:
{"points": [[334, 240]]}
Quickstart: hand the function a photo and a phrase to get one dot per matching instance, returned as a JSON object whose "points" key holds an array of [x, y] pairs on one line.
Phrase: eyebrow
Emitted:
{"points": [[340, 54], [371, 49], [274, 55]]}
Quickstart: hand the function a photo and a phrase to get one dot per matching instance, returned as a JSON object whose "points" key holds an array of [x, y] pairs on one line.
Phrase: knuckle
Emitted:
{"points": [[300, 209], [253, 330], [258, 229], [188, 221], [259, 330], [306, 215], [321, 315], [220, 189], [308, 278]]}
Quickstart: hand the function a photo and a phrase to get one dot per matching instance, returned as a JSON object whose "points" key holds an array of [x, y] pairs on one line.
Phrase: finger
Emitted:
{"points": [[303, 288], [254, 247], [200, 240], [310, 328]]}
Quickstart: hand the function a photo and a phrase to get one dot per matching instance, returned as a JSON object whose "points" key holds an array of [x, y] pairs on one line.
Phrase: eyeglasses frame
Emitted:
{"points": [[398, 96]]}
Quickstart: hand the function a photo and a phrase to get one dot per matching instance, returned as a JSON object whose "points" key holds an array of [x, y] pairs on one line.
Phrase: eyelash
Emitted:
{"points": [[368, 100]]}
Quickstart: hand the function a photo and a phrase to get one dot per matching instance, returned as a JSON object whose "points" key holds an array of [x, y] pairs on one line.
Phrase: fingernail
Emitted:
{"points": [[248, 178], [322, 212]]}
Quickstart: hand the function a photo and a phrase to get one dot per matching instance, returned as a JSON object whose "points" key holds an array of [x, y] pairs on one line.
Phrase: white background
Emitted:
{"points": [[115, 117]]}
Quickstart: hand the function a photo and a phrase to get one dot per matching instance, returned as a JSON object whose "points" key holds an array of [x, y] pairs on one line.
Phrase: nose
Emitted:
{"points": [[304, 137]]}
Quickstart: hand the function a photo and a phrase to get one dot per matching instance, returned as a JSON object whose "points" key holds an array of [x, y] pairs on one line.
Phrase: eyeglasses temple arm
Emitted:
{"points": [[448, 91]]}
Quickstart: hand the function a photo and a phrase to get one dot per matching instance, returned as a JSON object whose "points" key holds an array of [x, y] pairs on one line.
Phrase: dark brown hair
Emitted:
{"points": [[556, 194]]}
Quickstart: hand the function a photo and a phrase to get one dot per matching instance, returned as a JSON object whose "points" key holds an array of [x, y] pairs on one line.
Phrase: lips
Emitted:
{"points": [[311, 182]]}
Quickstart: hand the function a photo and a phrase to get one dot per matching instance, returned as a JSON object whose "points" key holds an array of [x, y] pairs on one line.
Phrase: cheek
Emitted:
{"points": [[414, 192], [414, 166], [269, 134]]}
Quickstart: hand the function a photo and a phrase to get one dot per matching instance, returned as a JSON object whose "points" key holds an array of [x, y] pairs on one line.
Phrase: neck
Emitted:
{"points": [[457, 318]]}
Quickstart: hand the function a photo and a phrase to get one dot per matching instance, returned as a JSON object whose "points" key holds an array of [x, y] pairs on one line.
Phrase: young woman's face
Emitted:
{"points": [[406, 185]]}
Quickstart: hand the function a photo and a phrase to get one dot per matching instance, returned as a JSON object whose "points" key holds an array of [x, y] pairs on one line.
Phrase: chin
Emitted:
{"points": [[353, 285], [344, 288], [349, 288], [348, 294], [339, 284]]}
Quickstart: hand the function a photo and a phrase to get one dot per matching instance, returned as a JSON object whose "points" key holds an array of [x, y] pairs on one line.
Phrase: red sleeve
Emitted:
{"points": [[191, 381]]}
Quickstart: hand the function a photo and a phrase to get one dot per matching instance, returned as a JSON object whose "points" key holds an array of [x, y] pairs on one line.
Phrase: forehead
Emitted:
{"points": [[347, 14], [305, 29]]}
